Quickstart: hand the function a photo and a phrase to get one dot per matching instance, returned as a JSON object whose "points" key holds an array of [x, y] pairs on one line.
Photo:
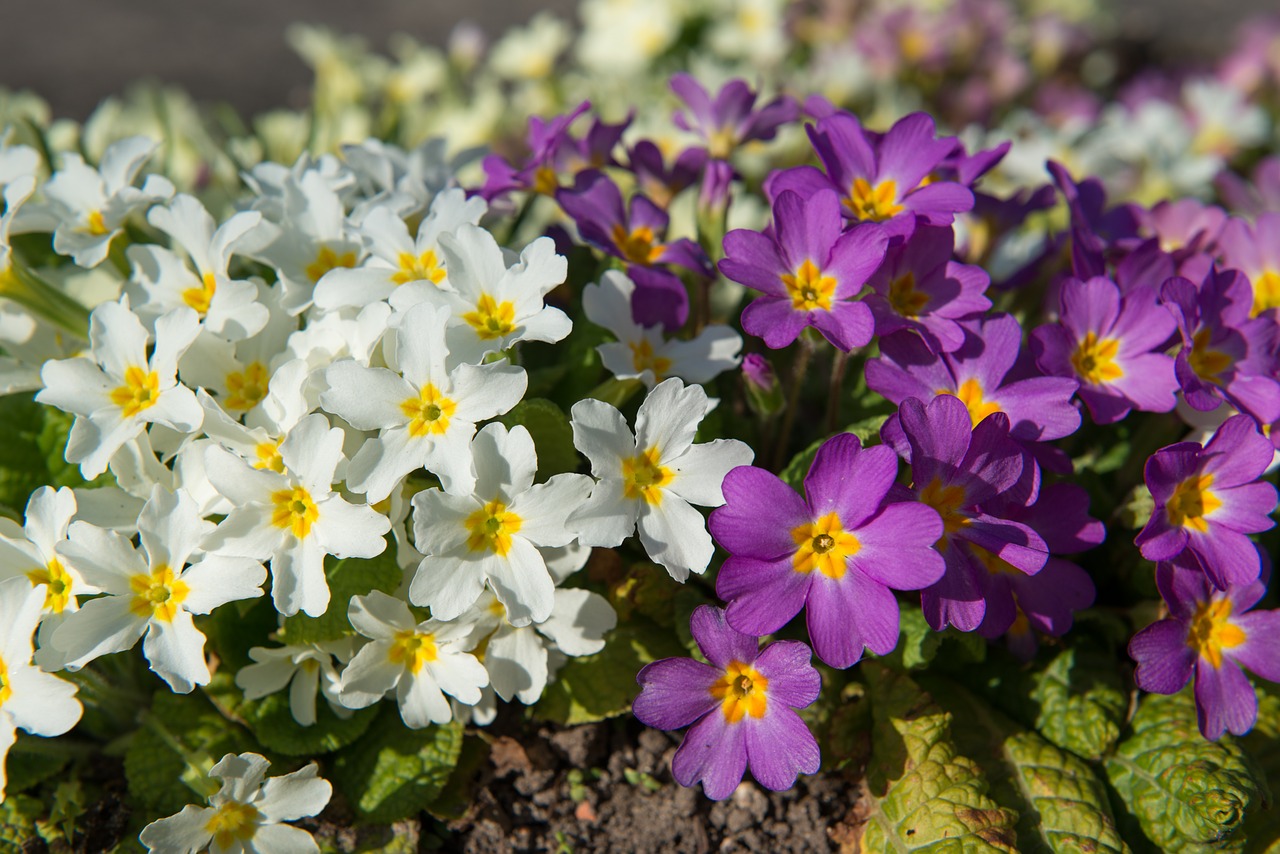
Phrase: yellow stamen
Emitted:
{"points": [[97, 226], [294, 510], [903, 296], [247, 388], [1212, 631], [140, 391], [809, 289], [157, 595], [1206, 362], [742, 691], [416, 268], [970, 394], [1191, 502], [413, 649], [491, 528], [233, 823], [643, 477], [492, 319], [1266, 292], [200, 298], [1095, 360], [57, 583], [823, 545], [643, 359], [268, 454], [429, 412], [948, 501], [545, 181], [638, 246], [876, 203], [326, 260], [6, 690]]}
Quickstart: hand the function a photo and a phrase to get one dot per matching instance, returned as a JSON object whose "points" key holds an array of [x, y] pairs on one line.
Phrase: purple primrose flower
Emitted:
{"points": [[731, 118], [742, 707], [1255, 251], [553, 151]]}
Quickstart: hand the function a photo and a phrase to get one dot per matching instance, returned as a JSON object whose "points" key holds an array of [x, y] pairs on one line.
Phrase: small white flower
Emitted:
{"points": [[646, 354], [294, 516], [31, 699], [305, 668], [651, 479], [117, 390], [31, 552], [245, 815], [494, 532], [420, 661], [426, 417], [154, 595]]}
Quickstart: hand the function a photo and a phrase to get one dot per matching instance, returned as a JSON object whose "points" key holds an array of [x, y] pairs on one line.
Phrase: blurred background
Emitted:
{"points": [[73, 53]]}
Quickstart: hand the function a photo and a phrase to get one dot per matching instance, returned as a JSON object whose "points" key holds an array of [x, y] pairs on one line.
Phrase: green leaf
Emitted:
{"points": [[273, 724], [595, 687], [920, 644], [1082, 700], [1262, 747], [347, 578], [18, 815], [22, 468], [793, 474], [926, 796], [29, 763], [454, 801], [1187, 793], [52, 443], [1062, 805], [393, 771], [551, 432]]}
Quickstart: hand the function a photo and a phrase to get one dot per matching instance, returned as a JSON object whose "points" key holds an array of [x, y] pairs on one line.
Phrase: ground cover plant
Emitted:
{"points": [[761, 426]]}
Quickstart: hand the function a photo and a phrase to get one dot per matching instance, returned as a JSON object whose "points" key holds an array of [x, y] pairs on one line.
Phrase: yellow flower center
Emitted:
{"points": [[1191, 502], [643, 359], [416, 268], [57, 583], [1266, 292], [1212, 631], [413, 649], [876, 203], [268, 454], [638, 246], [96, 225], [823, 545], [140, 391], [1206, 362], [233, 822], [948, 501], [247, 388], [157, 595], [1095, 360], [326, 260], [6, 691], [545, 181], [742, 691], [720, 143], [492, 319], [491, 528], [809, 289], [429, 412], [903, 296], [201, 297], [294, 510], [643, 477], [970, 394]]}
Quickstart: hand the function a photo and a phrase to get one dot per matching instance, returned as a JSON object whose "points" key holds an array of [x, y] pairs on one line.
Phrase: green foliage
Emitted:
{"points": [[595, 687], [28, 764], [552, 435], [22, 468], [273, 725], [926, 795], [1262, 747], [18, 817], [394, 772], [919, 645], [793, 474], [347, 578], [1187, 793], [456, 796]]}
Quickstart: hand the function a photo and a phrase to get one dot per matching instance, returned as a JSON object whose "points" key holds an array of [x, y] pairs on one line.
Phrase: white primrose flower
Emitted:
{"points": [[153, 593], [86, 207], [245, 816], [117, 390], [305, 668], [294, 516], [31, 551], [516, 656], [36, 701], [162, 280], [395, 258], [424, 417], [650, 479], [645, 353], [403, 181], [494, 306], [493, 533], [420, 661], [16, 161], [530, 52]]}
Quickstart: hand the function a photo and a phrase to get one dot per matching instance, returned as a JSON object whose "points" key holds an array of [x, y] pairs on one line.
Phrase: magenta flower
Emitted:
{"points": [[919, 287], [1260, 194], [659, 182], [731, 118], [1255, 251], [839, 552], [1112, 346], [553, 151], [1208, 500], [742, 707], [809, 273], [879, 178], [1209, 634]]}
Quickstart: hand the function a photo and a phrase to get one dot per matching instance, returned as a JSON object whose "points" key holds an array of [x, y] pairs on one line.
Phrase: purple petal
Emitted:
{"points": [[719, 641], [807, 228], [1260, 651], [855, 256], [1013, 542], [957, 599], [849, 480], [939, 202], [763, 596], [675, 692], [1224, 699], [939, 435], [759, 514], [713, 752], [774, 320], [1164, 660], [793, 680], [1052, 595], [1228, 558], [752, 259], [779, 748], [846, 614], [993, 463], [847, 326], [909, 151], [897, 547], [1238, 453], [805, 180]]}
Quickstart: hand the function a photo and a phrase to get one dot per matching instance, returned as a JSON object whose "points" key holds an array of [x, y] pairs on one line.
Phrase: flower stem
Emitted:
{"points": [[44, 300], [799, 366], [839, 364]]}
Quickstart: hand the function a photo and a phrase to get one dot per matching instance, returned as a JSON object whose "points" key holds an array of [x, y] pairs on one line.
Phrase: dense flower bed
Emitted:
{"points": [[329, 441]]}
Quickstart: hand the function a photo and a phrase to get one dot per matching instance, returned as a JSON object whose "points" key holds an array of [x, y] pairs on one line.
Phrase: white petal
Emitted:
{"points": [[380, 616], [521, 582], [383, 462], [579, 621], [460, 675], [295, 795], [675, 536], [188, 831], [669, 417], [297, 578], [699, 471], [268, 675], [486, 391], [420, 346], [517, 664], [421, 702], [100, 627], [369, 676], [103, 558], [312, 452], [176, 651], [606, 517], [42, 704], [349, 530], [283, 839], [302, 695], [505, 461], [543, 508], [170, 527], [218, 579], [601, 433], [447, 585], [367, 398]]}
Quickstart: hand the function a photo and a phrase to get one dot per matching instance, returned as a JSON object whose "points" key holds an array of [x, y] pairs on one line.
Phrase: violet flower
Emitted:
{"points": [[1260, 194], [539, 170], [839, 552], [809, 273], [1209, 634], [731, 118], [659, 182], [742, 707], [1208, 500], [1255, 251]]}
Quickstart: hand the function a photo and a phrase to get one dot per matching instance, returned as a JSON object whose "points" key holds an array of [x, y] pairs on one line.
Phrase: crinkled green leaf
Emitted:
{"points": [[28, 764], [1262, 747], [393, 771], [18, 816], [926, 796], [455, 799], [551, 432], [1062, 805], [347, 578], [595, 687], [273, 724], [1187, 793], [919, 644], [1082, 701]]}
